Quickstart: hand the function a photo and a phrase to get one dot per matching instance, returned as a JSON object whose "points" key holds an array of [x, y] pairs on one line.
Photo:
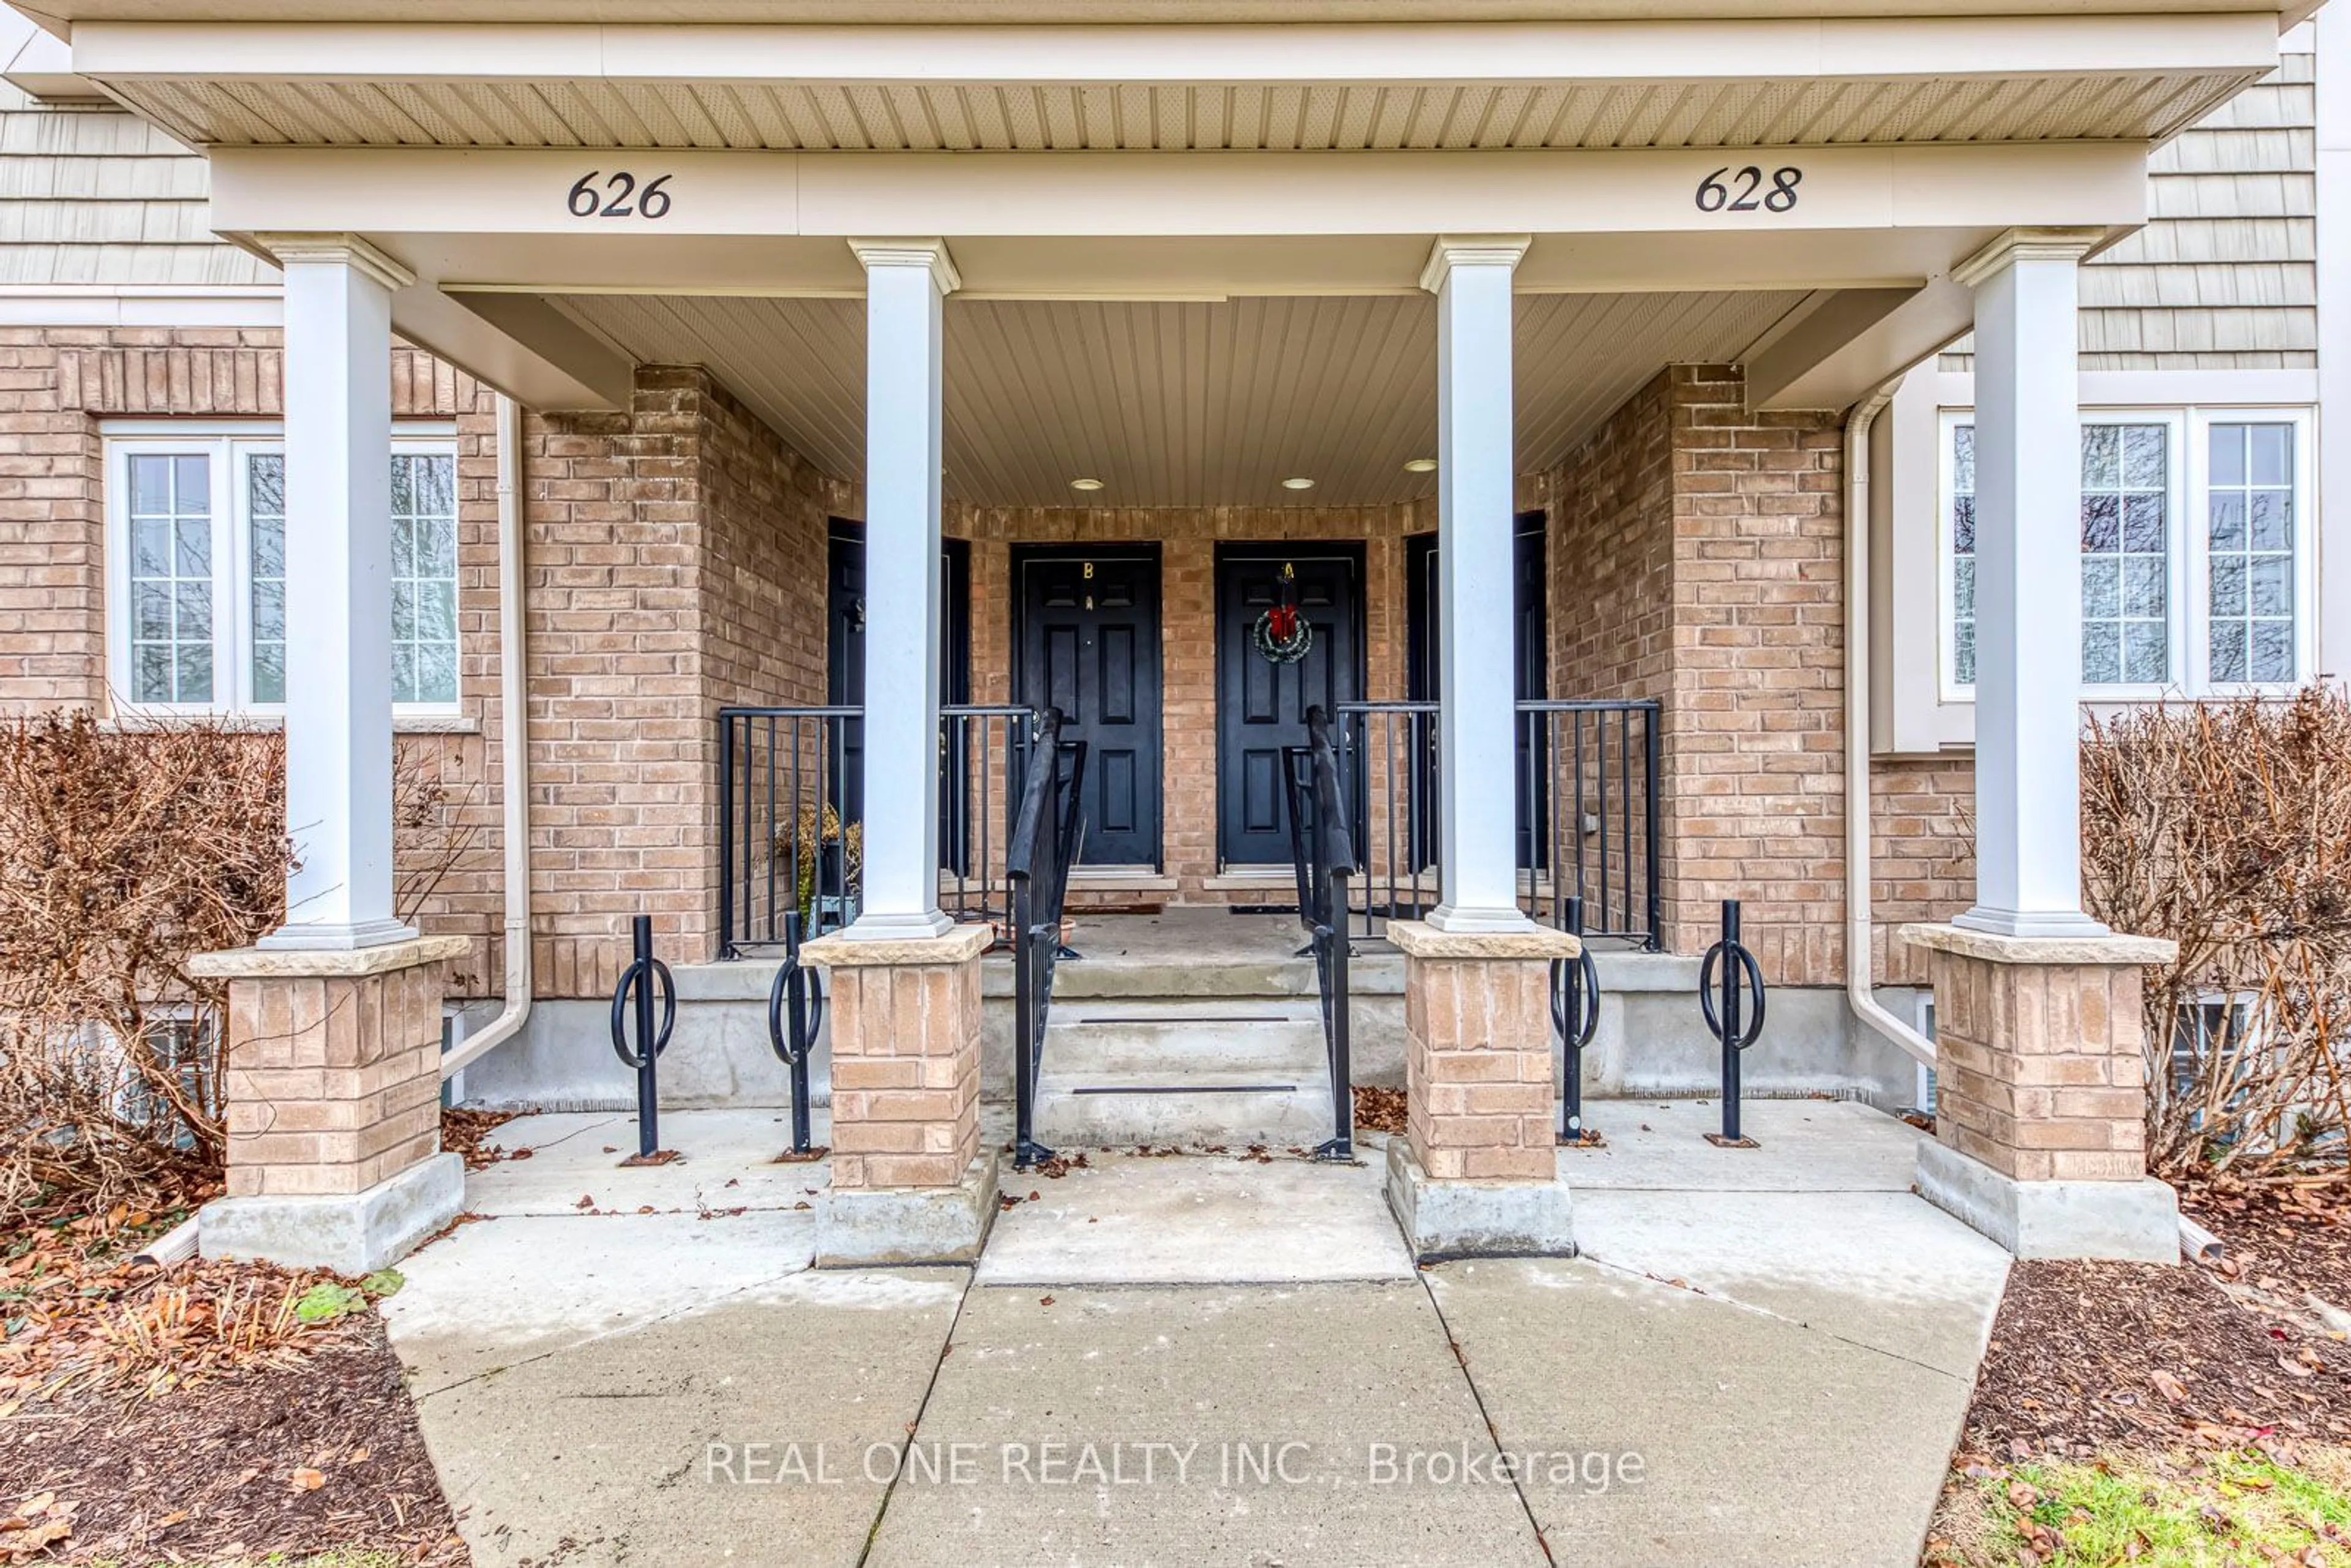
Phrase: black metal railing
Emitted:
{"points": [[1588, 821], [1047, 834], [786, 846], [1322, 853]]}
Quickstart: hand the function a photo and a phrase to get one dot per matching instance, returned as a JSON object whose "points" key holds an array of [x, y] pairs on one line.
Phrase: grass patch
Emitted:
{"points": [[2159, 1511]]}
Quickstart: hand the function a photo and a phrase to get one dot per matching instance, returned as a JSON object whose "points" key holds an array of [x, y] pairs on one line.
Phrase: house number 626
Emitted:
{"points": [[1726, 190], [618, 196]]}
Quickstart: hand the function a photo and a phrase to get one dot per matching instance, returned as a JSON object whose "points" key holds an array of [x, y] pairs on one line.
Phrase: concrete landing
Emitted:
{"points": [[1197, 1220], [725, 1160]]}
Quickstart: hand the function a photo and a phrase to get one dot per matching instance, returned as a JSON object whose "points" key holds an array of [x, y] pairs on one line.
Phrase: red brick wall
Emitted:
{"points": [[56, 384], [676, 566], [676, 563], [1922, 855], [1695, 554], [1188, 539]]}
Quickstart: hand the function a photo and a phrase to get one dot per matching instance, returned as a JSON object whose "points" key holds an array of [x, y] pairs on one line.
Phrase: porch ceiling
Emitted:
{"points": [[1292, 117], [1184, 402]]}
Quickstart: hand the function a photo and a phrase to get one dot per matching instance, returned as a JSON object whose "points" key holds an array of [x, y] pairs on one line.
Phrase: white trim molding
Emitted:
{"points": [[2025, 245], [125, 304], [1450, 251], [930, 252], [360, 255]]}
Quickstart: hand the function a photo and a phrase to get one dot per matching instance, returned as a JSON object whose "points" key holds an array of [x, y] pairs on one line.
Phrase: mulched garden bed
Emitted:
{"points": [[2085, 1356], [203, 1412], [322, 1455], [2284, 1240]]}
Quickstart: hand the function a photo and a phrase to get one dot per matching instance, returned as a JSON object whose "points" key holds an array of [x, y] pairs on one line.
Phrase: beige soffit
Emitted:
{"points": [[1183, 403], [56, 12], [1287, 117], [1650, 83]]}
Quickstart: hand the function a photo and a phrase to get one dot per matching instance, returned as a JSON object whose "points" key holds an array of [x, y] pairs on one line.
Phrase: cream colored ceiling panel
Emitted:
{"points": [[1177, 402], [1285, 117]]}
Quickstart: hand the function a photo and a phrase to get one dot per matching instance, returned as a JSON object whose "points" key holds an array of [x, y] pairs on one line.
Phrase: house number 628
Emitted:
{"points": [[619, 196], [1726, 190]]}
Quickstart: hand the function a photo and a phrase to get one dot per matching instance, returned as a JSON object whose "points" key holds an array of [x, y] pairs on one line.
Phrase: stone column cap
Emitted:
{"points": [[838, 951], [327, 963], [2116, 949], [1419, 939]]}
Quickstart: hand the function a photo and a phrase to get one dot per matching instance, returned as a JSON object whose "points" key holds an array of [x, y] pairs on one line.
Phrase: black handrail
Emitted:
{"points": [[788, 834], [1587, 776], [1322, 853], [1046, 836]]}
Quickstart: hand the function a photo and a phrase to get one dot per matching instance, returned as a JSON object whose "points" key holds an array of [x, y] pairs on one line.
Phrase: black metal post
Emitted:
{"points": [[648, 1090], [727, 845], [1649, 850], [1731, 1023], [1730, 994], [633, 998], [801, 987], [1575, 1013]]}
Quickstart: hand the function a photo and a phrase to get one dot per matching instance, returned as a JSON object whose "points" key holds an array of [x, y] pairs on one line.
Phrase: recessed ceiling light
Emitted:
{"points": [[1421, 465], [1085, 484], [1298, 482]]}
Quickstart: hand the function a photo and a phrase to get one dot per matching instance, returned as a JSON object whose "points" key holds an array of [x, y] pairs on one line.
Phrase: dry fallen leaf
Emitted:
{"points": [[308, 1480], [2168, 1386]]}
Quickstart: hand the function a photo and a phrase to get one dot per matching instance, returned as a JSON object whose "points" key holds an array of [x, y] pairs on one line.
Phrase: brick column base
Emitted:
{"points": [[1476, 1174], [2039, 1100], [334, 1105], [910, 1182]]}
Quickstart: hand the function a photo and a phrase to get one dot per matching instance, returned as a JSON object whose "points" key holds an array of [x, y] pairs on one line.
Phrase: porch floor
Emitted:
{"points": [[1744, 1324]]}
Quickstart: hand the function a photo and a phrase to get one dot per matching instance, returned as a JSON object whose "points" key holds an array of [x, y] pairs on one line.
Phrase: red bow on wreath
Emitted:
{"points": [[1281, 638]]}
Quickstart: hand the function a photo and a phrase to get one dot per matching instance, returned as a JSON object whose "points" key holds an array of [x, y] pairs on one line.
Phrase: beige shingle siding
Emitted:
{"points": [[89, 195], [2224, 275]]}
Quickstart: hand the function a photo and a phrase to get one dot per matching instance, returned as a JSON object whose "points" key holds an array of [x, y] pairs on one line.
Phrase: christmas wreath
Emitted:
{"points": [[1281, 635]]}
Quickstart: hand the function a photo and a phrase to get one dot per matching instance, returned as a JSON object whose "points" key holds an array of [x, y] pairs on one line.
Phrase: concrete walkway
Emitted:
{"points": [[1763, 1359]]}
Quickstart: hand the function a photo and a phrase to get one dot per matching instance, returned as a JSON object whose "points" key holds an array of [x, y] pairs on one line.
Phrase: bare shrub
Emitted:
{"points": [[123, 856], [2226, 826]]}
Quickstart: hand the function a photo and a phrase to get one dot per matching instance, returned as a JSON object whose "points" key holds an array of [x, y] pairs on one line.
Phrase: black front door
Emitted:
{"points": [[844, 654], [1530, 616], [1088, 643], [1261, 704]]}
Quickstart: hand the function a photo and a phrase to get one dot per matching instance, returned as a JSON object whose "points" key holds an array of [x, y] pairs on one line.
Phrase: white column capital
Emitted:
{"points": [[2026, 244], [348, 248], [1471, 250], [927, 253]]}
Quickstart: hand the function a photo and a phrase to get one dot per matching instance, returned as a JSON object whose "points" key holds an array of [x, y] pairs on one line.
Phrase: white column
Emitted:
{"points": [[338, 293], [1476, 495], [2027, 585], [906, 283]]}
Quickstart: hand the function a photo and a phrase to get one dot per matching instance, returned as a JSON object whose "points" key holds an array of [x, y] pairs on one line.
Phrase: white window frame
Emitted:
{"points": [[2188, 577], [2305, 547], [227, 446]]}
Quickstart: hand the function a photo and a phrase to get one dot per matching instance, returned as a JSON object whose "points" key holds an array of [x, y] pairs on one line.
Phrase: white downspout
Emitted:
{"points": [[514, 715], [1858, 933]]}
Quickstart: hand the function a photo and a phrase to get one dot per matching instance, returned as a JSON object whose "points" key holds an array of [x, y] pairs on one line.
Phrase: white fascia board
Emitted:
{"points": [[40, 63], [106, 305], [760, 195], [2159, 389], [1495, 54]]}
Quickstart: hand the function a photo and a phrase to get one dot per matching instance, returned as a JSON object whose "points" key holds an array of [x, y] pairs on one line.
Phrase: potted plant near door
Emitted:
{"points": [[827, 856]]}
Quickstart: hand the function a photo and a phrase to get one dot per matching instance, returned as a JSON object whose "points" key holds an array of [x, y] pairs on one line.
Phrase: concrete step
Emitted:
{"points": [[1190, 1110], [1167, 1040]]}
